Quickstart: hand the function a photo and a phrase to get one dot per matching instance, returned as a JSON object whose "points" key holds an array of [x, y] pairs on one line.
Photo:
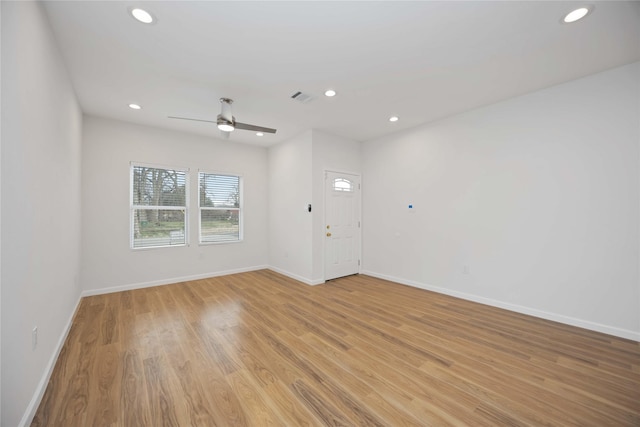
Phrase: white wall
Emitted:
{"points": [[333, 153], [290, 191], [0, 228], [41, 134], [539, 196], [109, 147], [296, 179]]}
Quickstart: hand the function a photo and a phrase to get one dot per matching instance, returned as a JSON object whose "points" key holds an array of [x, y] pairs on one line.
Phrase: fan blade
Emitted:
{"points": [[195, 120], [245, 126]]}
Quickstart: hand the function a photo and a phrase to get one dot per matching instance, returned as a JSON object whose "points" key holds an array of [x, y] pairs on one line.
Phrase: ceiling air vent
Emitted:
{"points": [[302, 97]]}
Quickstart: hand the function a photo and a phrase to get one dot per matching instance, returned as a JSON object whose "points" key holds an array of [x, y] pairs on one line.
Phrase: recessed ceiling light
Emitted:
{"points": [[577, 14], [393, 119], [142, 15], [135, 107], [330, 93], [259, 134]]}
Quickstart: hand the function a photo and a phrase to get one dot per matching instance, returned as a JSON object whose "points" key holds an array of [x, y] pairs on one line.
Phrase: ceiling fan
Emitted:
{"points": [[227, 123]]}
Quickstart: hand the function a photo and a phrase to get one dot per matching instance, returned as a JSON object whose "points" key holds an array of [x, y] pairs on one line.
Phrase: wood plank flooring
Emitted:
{"points": [[260, 349]]}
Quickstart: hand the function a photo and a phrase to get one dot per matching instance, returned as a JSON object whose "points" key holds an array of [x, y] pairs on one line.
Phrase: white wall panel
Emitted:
{"points": [[41, 210], [533, 202], [107, 260]]}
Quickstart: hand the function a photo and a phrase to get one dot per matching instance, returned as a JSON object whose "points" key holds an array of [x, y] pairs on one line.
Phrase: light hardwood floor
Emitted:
{"points": [[259, 349]]}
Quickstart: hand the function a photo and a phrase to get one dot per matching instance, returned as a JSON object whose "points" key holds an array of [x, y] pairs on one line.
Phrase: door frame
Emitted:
{"points": [[324, 218]]}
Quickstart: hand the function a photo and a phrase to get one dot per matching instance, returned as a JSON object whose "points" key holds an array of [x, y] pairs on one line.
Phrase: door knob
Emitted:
{"points": [[328, 234]]}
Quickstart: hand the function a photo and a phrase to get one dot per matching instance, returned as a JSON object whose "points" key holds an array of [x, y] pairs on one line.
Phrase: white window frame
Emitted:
{"points": [[240, 208], [132, 207]]}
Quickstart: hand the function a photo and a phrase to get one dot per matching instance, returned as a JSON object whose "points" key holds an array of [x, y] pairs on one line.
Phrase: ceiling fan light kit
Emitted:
{"points": [[225, 126]]}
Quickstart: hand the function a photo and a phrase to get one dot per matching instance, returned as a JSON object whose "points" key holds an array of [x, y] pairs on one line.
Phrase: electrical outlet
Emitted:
{"points": [[465, 269], [34, 338]]}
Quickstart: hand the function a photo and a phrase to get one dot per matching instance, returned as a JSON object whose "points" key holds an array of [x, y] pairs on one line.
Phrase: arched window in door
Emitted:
{"points": [[341, 184]]}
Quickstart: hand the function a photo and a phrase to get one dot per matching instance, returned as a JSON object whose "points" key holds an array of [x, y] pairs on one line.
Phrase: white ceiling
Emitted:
{"points": [[418, 60]]}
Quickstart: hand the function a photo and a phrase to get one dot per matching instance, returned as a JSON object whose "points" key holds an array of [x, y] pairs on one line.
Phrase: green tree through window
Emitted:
{"points": [[158, 206]]}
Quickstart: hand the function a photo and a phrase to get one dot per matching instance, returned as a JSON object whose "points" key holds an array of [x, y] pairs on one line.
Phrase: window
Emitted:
{"points": [[220, 208], [158, 206], [341, 184]]}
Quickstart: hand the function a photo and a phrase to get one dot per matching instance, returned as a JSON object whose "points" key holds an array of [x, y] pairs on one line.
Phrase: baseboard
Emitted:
{"points": [[27, 418], [304, 280], [170, 281], [586, 324]]}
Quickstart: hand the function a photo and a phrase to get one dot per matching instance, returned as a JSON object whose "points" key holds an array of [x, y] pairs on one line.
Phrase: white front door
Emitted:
{"points": [[342, 225]]}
